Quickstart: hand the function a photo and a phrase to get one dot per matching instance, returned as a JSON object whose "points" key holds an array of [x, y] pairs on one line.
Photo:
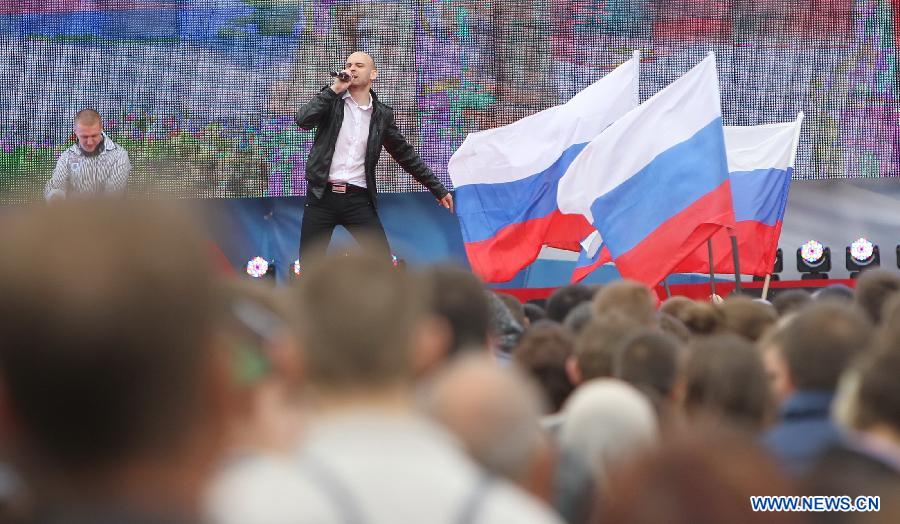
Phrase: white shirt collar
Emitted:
{"points": [[364, 108]]}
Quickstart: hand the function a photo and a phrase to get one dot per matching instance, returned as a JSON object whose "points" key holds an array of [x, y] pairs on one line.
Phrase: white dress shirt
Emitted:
{"points": [[348, 162]]}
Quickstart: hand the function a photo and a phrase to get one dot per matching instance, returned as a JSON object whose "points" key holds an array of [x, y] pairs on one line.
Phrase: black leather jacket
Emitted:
{"points": [[325, 112]]}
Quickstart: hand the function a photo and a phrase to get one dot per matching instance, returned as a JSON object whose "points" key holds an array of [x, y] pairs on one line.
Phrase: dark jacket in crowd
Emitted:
{"points": [[325, 112], [804, 431]]}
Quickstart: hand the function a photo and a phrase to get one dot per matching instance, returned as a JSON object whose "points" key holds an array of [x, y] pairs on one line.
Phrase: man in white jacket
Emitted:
{"points": [[93, 165]]}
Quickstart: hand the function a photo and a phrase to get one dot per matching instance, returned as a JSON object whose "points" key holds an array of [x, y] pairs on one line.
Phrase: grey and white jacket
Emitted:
{"points": [[78, 174]]}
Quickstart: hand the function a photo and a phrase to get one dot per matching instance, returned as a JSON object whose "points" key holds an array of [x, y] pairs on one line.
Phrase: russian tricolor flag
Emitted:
{"points": [[507, 179], [760, 164], [655, 183]]}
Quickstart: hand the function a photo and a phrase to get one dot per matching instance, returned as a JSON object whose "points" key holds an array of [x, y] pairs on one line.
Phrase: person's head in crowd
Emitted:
{"points": [[819, 344], [564, 300], [725, 381], [539, 302], [533, 313], [516, 308], [868, 461], [873, 288], [505, 331], [364, 328], [495, 412], [701, 318], [627, 298], [579, 317], [115, 386], [596, 346], [649, 361], [889, 332], [777, 374], [834, 292], [368, 454], [258, 335], [791, 301], [812, 351], [607, 422], [703, 477], [674, 305], [458, 297], [746, 317], [875, 404], [543, 353], [673, 327]]}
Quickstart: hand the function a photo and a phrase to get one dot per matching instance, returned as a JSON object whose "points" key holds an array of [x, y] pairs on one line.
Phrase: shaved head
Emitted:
{"points": [[88, 129], [88, 117], [358, 56], [494, 411], [361, 68]]}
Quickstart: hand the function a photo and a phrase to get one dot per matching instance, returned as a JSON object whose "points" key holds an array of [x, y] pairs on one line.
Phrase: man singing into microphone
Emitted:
{"points": [[352, 125]]}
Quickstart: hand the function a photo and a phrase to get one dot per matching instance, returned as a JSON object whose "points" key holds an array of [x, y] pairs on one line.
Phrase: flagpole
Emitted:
{"points": [[765, 292], [712, 277], [665, 284], [737, 263]]}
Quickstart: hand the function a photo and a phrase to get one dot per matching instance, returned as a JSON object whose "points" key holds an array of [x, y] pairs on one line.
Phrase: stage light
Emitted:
{"points": [[258, 267], [813, 261], [777, 267], [861, 254]]}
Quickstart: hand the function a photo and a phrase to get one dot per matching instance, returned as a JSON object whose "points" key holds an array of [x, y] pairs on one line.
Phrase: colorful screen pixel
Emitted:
{"points": [[201, 92]]}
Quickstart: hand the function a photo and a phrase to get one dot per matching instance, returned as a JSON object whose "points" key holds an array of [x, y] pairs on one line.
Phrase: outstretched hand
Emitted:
{"points": [[447, 202]]}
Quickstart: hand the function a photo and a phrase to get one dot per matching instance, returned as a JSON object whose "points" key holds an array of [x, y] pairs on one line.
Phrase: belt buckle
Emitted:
{"points": [[339, 188]]}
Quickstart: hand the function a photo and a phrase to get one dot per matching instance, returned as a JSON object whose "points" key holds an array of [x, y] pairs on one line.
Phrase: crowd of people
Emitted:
{"points": [[138, 385]]}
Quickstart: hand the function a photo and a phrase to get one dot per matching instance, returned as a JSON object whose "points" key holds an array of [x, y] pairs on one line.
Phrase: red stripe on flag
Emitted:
{"points": [[757, 244], [499, 258], [581, 273], [654, 257]]}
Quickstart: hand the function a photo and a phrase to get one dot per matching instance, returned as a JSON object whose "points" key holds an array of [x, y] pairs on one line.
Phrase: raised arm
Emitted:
{"points": [[313, 112], [402, 151]]}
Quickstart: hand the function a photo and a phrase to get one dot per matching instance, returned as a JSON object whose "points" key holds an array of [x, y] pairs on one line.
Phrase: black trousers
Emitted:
{"points": [[353, 210]]}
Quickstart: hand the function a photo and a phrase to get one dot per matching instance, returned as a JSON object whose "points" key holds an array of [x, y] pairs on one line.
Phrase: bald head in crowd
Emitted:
{"points": [[494, 411]]}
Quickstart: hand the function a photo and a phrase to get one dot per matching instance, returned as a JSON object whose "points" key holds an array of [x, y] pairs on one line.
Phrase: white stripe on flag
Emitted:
{"points": [[769, 146], [693, 100], [533, 144]]}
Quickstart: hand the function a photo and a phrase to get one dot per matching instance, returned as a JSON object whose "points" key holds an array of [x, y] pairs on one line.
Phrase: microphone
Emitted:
{"points": [[342, 75]]}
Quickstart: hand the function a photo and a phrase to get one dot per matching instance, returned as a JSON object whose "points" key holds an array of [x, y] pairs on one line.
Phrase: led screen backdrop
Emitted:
{"points": [[200, 91]]}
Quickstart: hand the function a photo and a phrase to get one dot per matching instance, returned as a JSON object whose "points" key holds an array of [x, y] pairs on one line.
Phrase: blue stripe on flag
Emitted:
{"points": [[759, 195], [485, 209], [675, 179]]}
